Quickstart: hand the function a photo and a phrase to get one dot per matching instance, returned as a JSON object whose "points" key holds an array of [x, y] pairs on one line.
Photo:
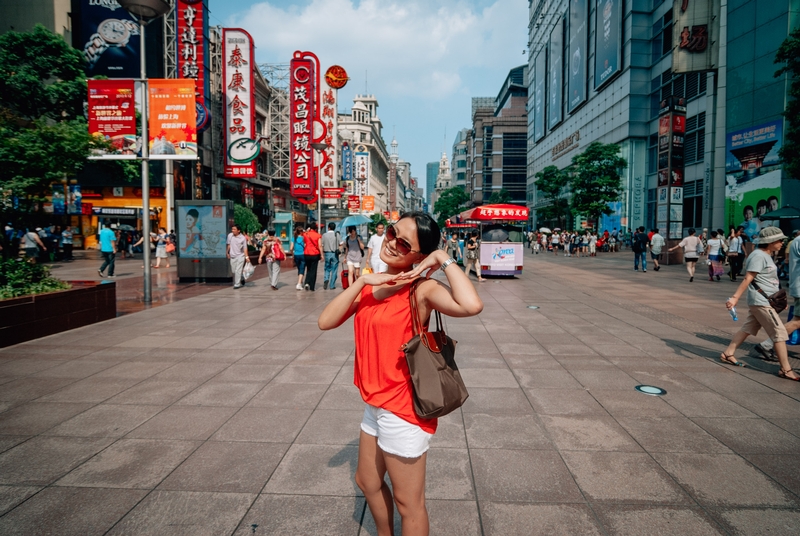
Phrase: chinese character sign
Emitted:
{"points": [[347, 162], [112, 113], [696, 35], [190, 43], [301, 117], [172, 128], [241, 147], [328, 172]]}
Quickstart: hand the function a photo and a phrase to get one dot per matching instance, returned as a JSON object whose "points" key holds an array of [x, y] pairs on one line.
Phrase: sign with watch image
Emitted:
{"points": [[108, 37]]}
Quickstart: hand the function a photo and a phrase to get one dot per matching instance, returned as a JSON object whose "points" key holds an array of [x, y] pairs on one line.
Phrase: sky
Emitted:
{"points": [[423, 59]]}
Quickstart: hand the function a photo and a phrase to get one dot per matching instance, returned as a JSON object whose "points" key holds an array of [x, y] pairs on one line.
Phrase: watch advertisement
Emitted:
{"points": [[172, 129], [608, 41], [112, 116], [539, 99], [578, 32], [108, 37], [556, 75]]}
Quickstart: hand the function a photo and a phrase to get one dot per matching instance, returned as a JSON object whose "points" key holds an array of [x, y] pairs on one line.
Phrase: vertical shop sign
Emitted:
{"points": [[671, 130], [608, 41], [539, 99], [108, 37], [191, 16], [329, 117], [555, 91], [74, 201], [696, 35], [392, 185], [172, 128], [301, 117], [241, 147], [361, 162], [112, 115], [578, 51], [347, 162]]}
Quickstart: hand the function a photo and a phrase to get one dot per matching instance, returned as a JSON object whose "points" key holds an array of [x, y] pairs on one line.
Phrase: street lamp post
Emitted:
{"points": [[320, 147], [145, 12]]}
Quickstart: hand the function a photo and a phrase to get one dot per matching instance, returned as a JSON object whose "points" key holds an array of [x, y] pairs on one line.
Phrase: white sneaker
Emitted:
{"points": [[299, 287]]}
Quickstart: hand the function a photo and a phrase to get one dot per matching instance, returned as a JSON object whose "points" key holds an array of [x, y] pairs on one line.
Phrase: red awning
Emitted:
{"points": [[495, 212]]}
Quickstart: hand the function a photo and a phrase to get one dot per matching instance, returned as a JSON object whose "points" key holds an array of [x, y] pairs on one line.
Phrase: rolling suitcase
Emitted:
{"points": [[345, 282]]}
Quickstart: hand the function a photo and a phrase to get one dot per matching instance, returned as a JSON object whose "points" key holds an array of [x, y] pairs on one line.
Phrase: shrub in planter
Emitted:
{"points": [[20, 278]]}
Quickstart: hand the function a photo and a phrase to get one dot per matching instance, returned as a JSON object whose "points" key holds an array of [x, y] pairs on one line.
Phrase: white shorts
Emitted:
{"points": [[351, 265], [395, 436]]}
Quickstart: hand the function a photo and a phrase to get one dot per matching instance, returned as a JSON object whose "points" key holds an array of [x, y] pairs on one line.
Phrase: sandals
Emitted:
{"points": [[783, 374], [730, 360]]}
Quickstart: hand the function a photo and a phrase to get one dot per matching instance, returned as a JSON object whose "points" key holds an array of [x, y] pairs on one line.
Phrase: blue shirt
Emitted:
{"points": [[299, 246], [107, 239]]}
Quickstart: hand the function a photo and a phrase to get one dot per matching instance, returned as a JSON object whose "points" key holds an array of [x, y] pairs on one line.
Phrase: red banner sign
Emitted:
{"points": [[172, 128], [112, 113], [239, 113], [191, 45], [353, 203], [301, 117]]}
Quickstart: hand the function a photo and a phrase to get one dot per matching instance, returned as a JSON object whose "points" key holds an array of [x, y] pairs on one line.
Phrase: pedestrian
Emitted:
{"points": [[354, 256], [298, 253], [162, 239], [761, 280], [615, 239], [173, 239], [375, 244], [736, 252], [593, 245], [473, 256], [554, 242], [714, 252], [584, 244], [272, 250], [452, 247], [639, 244], [108, 249], [393, 438], [56, 239], [32, 244], [236, 251], [66, 242], [656, 243], [690, 256], [330, 250], [312, 252]]}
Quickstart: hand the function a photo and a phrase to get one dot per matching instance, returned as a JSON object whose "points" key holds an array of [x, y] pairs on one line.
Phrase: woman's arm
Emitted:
{"points": [[263, 251], [733, 300], [345, 304]]}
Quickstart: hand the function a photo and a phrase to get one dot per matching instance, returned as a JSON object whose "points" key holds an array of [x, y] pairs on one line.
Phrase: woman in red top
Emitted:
{"points": [[393, 438]]}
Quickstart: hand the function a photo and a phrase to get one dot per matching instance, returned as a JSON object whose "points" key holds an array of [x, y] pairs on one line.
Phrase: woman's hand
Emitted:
{"points": [[375, 280], [260, 258], [731, 303], [431, 263]]}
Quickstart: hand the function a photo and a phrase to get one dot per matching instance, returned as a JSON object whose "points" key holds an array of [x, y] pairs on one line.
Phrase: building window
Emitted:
{"points": [[693, 204], [650, 214], [652, 154], [695, 139]]}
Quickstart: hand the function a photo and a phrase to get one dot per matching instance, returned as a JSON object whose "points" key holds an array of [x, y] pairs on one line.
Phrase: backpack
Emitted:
{"points": [[277, 251], [639, 242]]}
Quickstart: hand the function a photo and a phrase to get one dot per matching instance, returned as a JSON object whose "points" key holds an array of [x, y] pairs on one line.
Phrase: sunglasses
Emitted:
{"points": [[402, 247]]}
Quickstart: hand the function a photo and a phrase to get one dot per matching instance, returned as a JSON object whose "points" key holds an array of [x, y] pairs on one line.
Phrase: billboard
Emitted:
{"points": [[108, 37], [239, 110], [577, 53], [202, 231], [172, 127], [539, 99], [753, 175], [112, 115], [555, 90], [608, 41], [347, 162], [192, 19], [74, 199], [695, 31]]}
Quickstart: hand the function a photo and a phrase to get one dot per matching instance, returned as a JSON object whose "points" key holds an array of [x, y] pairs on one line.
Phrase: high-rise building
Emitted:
{"points": [[458, 162], [431, 171]]}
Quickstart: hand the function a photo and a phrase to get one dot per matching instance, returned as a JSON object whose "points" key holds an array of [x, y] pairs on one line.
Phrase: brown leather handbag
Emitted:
{"points": [[438, 387]]}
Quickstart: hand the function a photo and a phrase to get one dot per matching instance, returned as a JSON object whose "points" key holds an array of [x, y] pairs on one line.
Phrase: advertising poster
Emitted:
{"points": [[59, 199], [368, 203], [239, 110], [74, 200], [578, 51], [540, 75], [502, 257], [172, 128], [555, 89], [202, 231], [753, 175], [108, 37], [614, 220], [112, 115], [349, 187], [354, 204], [608, 41]]}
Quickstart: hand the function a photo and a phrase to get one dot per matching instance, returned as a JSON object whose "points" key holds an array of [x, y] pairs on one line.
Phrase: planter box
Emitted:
{"points": [[30, 317]]}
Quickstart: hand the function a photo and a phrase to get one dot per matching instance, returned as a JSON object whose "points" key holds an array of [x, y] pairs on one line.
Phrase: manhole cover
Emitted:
{"points": [[533, 307], [651, 390]]}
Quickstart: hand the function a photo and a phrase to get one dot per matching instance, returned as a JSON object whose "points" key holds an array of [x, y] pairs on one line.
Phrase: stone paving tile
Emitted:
{"points": [[594, 432], [314, 374], [35, 417], [316, 470], [184, 422], [153, 392], [254, 424], [505, 431], [293, 396], [758, 521], [189, 371], [449, 475], [751, 436], [24, 389], [89, 390], [666, 520], [41, 460], [68, 511], [505, 401], [220, 393], [539, 519], [77, 369], [11, 496], [298, 514], [105, 420], [782, 468], [671, 434], [630, 403], [547, 379], [706, 404], [331, 427], [8, 442], [186, 513], [450, 432]]}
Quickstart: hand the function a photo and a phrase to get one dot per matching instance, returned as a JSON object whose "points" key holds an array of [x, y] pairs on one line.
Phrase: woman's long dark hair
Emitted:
{"points": [[428, 233]]}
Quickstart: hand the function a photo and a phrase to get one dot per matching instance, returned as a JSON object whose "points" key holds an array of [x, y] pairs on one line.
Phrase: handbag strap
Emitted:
{"points": [[416, 322]]}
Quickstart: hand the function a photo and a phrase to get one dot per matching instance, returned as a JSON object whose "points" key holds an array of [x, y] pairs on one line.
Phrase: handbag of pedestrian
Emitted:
{"points": [[777, 301], [437, 383]]}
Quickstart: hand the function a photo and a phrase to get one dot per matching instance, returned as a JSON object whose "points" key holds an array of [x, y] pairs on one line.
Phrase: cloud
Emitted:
{"points": [[428, 49]]}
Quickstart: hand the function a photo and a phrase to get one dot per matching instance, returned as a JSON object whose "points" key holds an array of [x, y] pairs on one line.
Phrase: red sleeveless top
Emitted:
{"points": [[382, 327]]}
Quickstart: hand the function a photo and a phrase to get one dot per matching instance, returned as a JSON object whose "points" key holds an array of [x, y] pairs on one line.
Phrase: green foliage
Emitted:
{"points": [[499, 197], [551, 183], [19, 278], [376, 219], [789, 54], [450, 202], [246, 219], [596, 180]]}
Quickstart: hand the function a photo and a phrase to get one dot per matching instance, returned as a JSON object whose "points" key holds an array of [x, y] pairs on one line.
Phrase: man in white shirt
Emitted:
{"points": [[374, 250], [236, 250]]}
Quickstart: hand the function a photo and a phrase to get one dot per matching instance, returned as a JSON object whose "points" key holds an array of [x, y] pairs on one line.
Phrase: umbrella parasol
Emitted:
{"points": [[557, 229], [356, 219], [126, 227], [544, 230], [785, 213]]}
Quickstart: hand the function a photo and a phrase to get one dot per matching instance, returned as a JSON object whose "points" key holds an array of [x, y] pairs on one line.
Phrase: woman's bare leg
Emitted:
{"points": [[369, 477], [408, 484], [783, 357]]}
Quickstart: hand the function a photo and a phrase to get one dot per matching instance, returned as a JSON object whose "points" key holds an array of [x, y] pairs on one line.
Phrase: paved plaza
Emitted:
{"points": [[230, 412]]}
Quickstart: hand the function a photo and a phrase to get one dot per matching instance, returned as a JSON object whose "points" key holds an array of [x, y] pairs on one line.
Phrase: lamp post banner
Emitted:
{"points": [[172, 128], [239, 110], [112, 115]]}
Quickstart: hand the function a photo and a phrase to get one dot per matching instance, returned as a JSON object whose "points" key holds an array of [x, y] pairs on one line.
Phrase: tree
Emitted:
{"points": [[789, 54], [450, 202], [245, 219], [43, 133], [596, 181], [499, 197], [551, 182]]}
